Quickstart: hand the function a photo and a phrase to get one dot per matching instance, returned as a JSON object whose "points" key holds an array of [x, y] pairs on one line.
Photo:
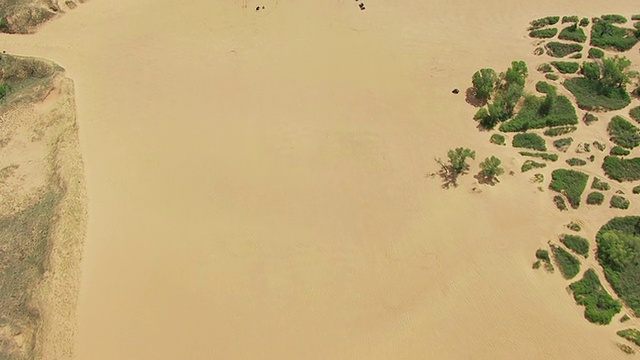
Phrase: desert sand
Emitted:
{"points": [[258, 184]]}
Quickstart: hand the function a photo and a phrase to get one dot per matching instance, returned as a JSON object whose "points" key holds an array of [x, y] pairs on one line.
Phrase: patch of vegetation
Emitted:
{"points": [[601, 185], [619, 254], [600, 307], [595, 53], [614, 18], [545, 87], [626, 349], [552, 76], [491, 169], [566, 19], [576, 243], [621, 169], [529, 141], [590, 95], [543, 256], [456, 166], [543, 33], [22, 17], [606, 35], [543, 156], [569, 265], [635, 113], [576, 162], [584, 22], [619, 151], [595, 198], [544, 68], [576, 56], [574, 226], [560, 203], [561, 130], [589, 118], [619, 202], [571, 183], [600, 146], [632, 335], [566, 67], [573, 33], [559, 50], [539, 112], [498, 139], [563, 144], [484, 82], [542, 22], [530, 164], [506, 92], [635, 17], [583, 148], [636, 189], [625, 318], [623, 133]]}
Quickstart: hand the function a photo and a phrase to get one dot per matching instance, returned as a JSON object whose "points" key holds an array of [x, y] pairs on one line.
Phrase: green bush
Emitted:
{"points": [[569, 265], [614, 18], [608, 36], [635, 17], [595, 198], [589, 118], [619, 151], [632, 335], [559, 50], [621, 169], [561, 130], [543, 33], [543, 255], [625, 318], [584, 22], [559, 201], [574, 226], [636, 189], [543, 156], [545, 68], [566, 67], [484, 81], [573, 33], [595, 53], [576, 162], [635, 113], [601, 185], [542, 22], [574, 18], [545, 87], [563, 144], [539, 112], [498, 139], [530, 164], [551, 76], [600, 307], [576, 243], [591, 70], [619, 202], [529, 141], [571, 183], [590, 96], [600, 146], [623, 133]]}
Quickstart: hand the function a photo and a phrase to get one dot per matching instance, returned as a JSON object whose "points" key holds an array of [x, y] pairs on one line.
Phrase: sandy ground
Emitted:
{"points": [[258, 186]]}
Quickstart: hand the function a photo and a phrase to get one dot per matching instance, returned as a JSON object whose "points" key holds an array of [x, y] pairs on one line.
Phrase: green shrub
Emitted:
{"points": [[543, 33], [625, 318], [600, 146], [484, 81], [540, 23], [545, 68], [559, 50], [530, 164], [566, 19], [551, 76], [595, 53], [614, 18], [636, 189], [621, 169], [623, 133], [601, 185], [632, 335], [595, 198], [589, 118], [566, 67], [584, 22], [574, 226], [563, 144], [635, 17], [590, 96], [576, 162], [573, 33], [571, 183], [561, 130], [559, 201], [539, 112], [619, 151], [537, 178], [543, 255], [576, 56], [498, 139], [600, 307], [529, 141], [608, 36], [635, 113], [576, 243], [543, 156], [619, 202], [591, 70], [569, 265], [545, 87]]}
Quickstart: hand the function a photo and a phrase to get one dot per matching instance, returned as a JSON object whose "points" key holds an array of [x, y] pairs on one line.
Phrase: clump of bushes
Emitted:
{"points": [[591, 96], [545, 87], [606, 35], [539, 112], [529, 141], [589, 118], [625, 318], [543, 156], [560, 203], [636, 189], [530, 164], [498, 139], [619, 202], [601, 185], [584, 22], [623, 133], [559, 50], [635, 113], [576, 243], [572, 33], [576, 162], [543, 256], [621, 169], [551, 77], [595, 53], [600, 307], [614, 18], [563, 144], [560, 130], [543, 33], [595, 198], [600, 146], [569, 265], [542, 22], [505, 91], [566, 67], [619, 151], [574, 226], [537, 178], [571, 183], [632, 335], [566, 19], [544, 68]]}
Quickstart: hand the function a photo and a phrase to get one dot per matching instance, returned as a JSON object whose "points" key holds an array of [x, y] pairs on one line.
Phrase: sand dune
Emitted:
{"points": [[258, 186]]}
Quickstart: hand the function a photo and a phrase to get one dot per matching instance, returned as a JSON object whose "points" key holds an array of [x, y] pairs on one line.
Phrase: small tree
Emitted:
{"points": [[458, 159], [517, 73], [491, 168], [615, 72], [483, 82], [591, 70]]}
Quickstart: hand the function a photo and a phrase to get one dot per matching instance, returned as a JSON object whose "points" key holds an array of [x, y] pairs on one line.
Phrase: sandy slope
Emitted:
{"points": [[257, 184]]}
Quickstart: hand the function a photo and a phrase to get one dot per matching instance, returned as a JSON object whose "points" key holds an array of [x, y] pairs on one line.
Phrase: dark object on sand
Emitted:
{"points": [[257, 8], [455, 91], [361, 6]]}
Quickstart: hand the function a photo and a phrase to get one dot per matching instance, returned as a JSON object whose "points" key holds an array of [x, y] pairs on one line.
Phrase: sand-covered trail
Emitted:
{"points": [[257, 187]]}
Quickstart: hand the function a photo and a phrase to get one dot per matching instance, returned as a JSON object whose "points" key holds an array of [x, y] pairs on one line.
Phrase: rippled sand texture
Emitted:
{"points": [[258, 186]]}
